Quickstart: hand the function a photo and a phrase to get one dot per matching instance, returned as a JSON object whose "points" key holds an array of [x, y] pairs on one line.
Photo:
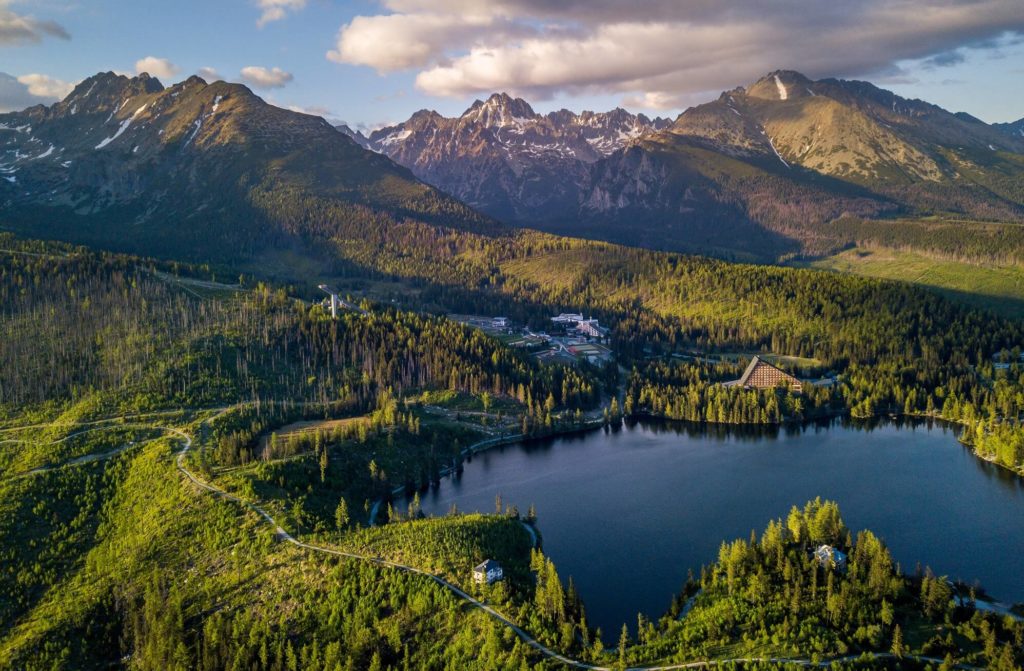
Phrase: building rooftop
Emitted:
{"points": [[761, 374], [829, 554], [487, 565]]}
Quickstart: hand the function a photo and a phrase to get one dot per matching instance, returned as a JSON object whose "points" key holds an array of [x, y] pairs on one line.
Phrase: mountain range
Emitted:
{"points": [[505, 159], [759, 173], [208, 171], [783, 167], [1015, 128]]}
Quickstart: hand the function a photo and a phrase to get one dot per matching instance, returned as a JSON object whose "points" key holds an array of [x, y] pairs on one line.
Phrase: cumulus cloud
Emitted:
{"points": [[158, 67], [16, 95], [275, 10], [209, 74], [23, 29], [660, 53], [44, 86], [400, 41], [263, 78]]}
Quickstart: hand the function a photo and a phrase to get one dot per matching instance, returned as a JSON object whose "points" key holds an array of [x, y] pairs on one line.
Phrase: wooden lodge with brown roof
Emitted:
{"points": [[762, 375]]}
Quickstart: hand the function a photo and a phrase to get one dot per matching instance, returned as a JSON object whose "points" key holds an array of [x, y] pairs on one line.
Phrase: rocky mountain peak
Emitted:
{"points": [[781, 85], [356, 135], [500, 109], [505, 159], [194, 80], [424, 118], [107, 91]]}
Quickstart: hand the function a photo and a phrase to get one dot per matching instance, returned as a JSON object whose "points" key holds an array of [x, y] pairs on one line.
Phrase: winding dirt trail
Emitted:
{"points": [[545, 651]]}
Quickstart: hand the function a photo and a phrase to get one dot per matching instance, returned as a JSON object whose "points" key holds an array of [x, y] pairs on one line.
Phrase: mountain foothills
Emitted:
{"points": [[784, 166]]}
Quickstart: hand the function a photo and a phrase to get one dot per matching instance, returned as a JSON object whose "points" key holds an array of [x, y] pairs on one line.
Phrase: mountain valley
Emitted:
{"points": [[247, 353], [762, 173]]}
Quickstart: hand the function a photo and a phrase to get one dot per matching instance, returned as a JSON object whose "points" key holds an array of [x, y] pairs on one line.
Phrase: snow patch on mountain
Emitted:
{"points": [[783, 92], [196, 125], [394, 138], [124, 126], [772, 145]]}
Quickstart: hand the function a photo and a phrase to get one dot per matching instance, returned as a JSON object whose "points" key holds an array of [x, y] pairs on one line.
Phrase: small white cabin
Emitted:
{"points": [[488, 572], [829, 557]]}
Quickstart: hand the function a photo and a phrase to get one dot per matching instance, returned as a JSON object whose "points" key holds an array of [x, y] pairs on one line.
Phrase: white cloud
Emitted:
{"points": [[24, 29], [263, 78], [401, 41], [658, 52], [275, 10], [160, 68], [44, 86], [209, 74], [16, 96]]}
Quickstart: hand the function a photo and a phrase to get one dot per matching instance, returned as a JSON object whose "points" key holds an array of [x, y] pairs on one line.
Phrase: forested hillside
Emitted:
{"points": [[108, 552], [117, 362], [897, 348], [113, 554]]}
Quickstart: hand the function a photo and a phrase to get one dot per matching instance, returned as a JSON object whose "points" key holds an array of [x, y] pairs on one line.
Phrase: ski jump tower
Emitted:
{"points": [[334, 299]]}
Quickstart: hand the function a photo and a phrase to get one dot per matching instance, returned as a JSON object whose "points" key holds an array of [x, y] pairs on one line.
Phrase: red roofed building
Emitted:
{"points": [[762, 375]]}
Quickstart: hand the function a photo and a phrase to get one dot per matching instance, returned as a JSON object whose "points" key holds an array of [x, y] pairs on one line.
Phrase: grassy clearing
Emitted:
{"points": [[465, 402], [997, 288], [312, 426]]}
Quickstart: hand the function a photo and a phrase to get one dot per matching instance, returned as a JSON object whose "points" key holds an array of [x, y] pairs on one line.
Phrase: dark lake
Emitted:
{"points": [[626, 513]]}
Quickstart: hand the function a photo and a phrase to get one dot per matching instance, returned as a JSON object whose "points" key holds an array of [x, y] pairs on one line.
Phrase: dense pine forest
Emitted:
{"points": [[776, 592], [114, 361], [897, 349], [81, 322], [96, 548]]}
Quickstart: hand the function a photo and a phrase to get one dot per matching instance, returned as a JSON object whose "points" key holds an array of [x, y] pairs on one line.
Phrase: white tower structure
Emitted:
{"points": [[334, 299]]}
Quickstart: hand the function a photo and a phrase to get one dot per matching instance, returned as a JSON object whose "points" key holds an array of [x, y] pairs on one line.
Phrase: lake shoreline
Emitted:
{"points": [[483, 446], [666, 490], [593, 425]]}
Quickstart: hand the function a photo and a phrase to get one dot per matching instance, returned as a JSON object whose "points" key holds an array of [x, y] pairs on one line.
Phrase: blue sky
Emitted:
{"points": [[393, 57]]}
